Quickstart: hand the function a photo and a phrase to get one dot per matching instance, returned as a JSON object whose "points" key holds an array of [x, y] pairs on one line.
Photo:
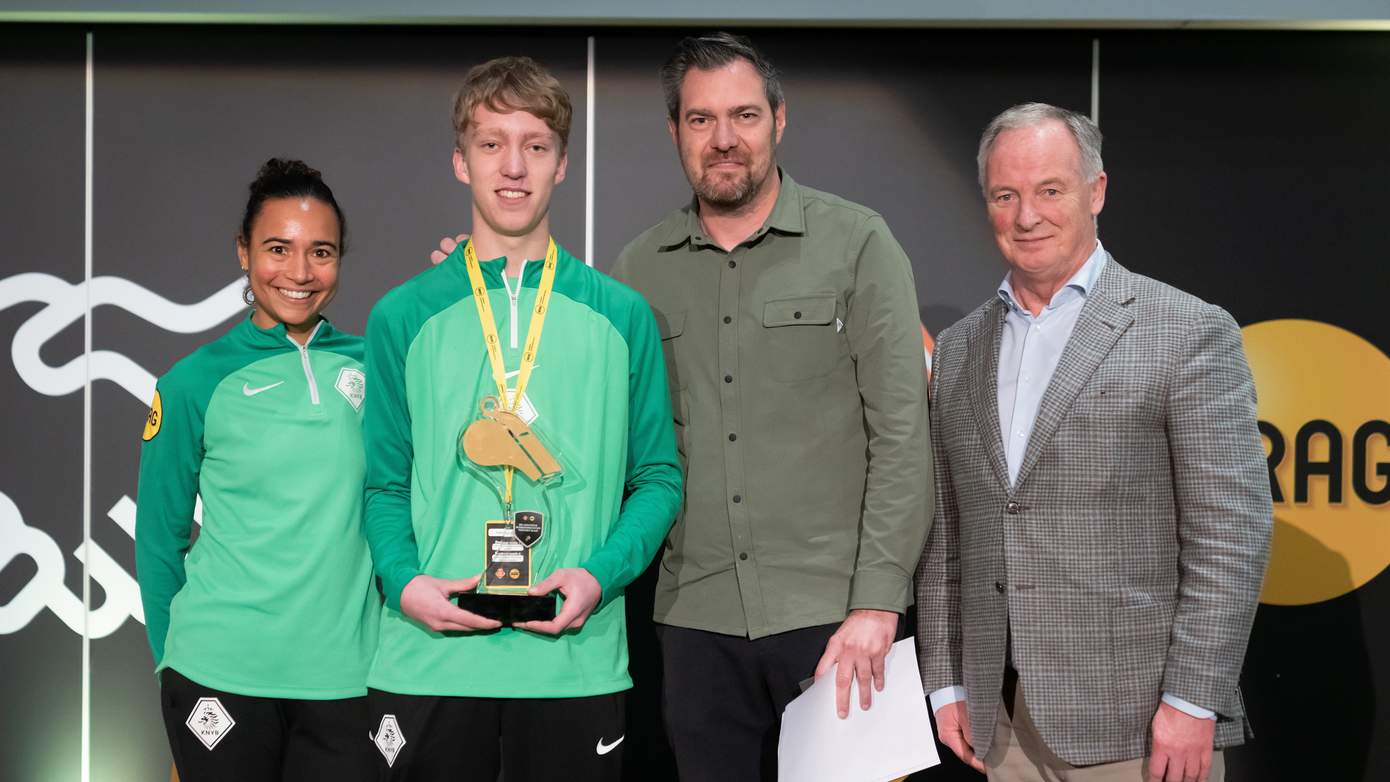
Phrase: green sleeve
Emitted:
{"points": [[653, 482], [386, 433], [885, 337], [170, 460]]}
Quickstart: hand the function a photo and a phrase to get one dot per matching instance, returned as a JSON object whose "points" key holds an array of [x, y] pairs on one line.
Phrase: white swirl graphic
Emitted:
{"points": [[47, 590], [67, 304]]}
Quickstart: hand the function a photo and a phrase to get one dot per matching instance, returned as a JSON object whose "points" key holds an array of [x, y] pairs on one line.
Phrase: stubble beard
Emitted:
{"points": [[726, 191], [732, 191]]}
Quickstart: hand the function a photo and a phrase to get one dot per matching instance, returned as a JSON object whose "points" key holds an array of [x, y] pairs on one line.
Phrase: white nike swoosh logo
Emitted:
{"points": [[604, 749], [249, 391], [516, 372]]}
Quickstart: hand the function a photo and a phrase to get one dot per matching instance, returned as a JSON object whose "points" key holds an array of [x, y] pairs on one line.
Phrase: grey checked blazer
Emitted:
{"points": [[1127, 559]]}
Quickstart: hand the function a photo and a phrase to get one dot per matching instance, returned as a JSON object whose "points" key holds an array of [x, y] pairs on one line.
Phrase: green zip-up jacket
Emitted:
{"points": [[275, 598], [602, 407]]}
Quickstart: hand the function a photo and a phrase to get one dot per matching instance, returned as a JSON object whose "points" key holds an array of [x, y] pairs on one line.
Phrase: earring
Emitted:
{"points": [[247, 296]]}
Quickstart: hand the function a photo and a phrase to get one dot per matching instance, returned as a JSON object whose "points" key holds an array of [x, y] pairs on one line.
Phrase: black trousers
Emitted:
{"points": [[218, 736], [429, 738], [723, 697]]}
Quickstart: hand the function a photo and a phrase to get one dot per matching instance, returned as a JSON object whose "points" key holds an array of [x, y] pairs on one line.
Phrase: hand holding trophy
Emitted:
{"points": [[427, 600], [582, 594]]}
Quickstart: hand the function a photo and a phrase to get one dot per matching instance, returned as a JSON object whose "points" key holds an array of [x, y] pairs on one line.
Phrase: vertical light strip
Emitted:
{"points": [[589, 160], [86, 758], [1095, 81]]}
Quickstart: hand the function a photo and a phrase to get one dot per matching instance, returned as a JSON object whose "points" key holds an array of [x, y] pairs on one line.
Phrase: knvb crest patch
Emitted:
{"points": [[352, 384], [389, 739], [210, 721]]}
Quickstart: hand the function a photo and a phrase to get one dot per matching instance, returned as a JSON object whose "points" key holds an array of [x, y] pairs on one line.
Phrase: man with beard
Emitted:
{"points": [[794, 355]]}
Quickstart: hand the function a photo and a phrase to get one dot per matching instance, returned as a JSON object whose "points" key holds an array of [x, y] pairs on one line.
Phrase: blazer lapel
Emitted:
{"points": [[983, 347], [1103, 318]]}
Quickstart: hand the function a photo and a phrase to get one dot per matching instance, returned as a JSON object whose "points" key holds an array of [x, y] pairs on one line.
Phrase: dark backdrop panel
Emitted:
{"points": [[1250, 169], [887, 118], [184, 117], [890, 119], [41, 175], [1243, 167]]}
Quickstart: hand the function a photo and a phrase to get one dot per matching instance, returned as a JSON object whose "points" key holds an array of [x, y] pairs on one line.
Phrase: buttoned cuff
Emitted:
{"points": [[1190, 709], [880, 591], [945, 697]]}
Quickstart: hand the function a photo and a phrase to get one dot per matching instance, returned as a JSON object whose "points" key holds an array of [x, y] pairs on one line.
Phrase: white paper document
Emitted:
{"points": [[890, 740]]}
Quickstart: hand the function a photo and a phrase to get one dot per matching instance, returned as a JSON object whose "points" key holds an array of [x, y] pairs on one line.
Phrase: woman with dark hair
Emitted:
{"points": [[262, 632]]}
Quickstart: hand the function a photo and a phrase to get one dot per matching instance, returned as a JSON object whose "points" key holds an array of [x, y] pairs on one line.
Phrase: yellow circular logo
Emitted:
{"points": [[155, 418], [1324, 410]]}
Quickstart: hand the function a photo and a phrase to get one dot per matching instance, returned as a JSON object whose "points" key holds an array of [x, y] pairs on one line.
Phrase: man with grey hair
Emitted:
{"points": [[1103, 511], [794, 354]]}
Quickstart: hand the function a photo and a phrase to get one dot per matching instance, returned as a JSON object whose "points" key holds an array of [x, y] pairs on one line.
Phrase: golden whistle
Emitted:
{"points": [[501, 438]]}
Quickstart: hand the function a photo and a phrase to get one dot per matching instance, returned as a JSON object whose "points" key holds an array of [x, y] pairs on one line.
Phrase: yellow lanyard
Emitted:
{"points": [[494, 342]]}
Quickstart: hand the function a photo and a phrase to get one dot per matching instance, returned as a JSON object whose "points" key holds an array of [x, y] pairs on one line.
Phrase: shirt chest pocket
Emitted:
{"points": [[803, 336], [671, 325]]}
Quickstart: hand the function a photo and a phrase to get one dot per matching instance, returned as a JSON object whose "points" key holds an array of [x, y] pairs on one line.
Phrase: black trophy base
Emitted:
{"points": [[508, 609]]}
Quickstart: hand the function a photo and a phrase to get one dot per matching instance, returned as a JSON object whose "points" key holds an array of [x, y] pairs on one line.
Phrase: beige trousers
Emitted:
{"points": [[1019, 755]]}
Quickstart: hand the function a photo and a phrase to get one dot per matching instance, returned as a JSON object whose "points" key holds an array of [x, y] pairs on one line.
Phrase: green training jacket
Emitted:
{"points": [[599, 394], [275, 598]]}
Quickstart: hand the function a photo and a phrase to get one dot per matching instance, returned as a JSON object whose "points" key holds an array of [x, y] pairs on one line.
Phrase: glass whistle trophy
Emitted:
{"points": [[495, 447], [503, 451]]}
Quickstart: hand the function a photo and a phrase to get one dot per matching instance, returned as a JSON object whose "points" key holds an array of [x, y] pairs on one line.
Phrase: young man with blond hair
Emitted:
{"points": [[567, 358]]}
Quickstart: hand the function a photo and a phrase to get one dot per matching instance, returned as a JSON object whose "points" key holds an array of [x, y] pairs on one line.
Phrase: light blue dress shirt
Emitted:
{"points": [[1030, 348]]}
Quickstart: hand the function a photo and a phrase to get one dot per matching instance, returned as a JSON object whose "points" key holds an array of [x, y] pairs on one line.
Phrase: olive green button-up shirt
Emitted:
{"points": [[799, 391]]}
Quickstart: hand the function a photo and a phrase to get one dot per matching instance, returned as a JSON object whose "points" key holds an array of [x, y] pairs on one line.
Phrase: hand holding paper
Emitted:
{"points": [[856, 652], [889, 741]]}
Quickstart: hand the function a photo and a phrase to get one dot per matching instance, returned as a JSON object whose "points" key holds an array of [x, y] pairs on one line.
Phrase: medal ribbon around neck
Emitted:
{"points": [[494, 342]]}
